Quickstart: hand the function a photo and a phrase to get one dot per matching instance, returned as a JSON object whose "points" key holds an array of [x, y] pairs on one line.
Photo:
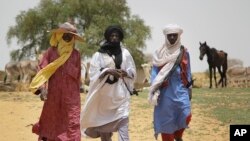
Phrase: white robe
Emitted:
{"points": [[107, 102]]}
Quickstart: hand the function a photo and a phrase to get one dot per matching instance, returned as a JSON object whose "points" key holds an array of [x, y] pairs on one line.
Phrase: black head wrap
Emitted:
{"points": [[113, 28], [113, 49], [110, 47]]}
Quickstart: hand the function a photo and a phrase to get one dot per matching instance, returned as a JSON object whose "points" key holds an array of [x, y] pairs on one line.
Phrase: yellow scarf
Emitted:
{"points": [[64, 50]]}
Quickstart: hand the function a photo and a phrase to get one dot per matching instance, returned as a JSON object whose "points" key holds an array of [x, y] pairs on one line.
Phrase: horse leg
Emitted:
{"points": [[215, 77], [224, 83], [225, 79], [210, 76], [224, 73], [221, 77], [224, 67]]}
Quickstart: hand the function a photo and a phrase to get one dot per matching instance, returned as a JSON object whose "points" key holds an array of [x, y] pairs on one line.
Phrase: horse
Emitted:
{"points": [[215, 59]]}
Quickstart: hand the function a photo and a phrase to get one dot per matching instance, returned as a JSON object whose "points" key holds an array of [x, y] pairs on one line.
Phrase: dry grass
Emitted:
{"points": [[21, 109]]}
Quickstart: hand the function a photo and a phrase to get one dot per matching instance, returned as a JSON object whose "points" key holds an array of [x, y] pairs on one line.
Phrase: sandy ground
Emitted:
{"points": [[19, 110]]}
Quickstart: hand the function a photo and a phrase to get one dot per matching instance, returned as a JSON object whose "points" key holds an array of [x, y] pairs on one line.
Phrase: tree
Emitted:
{"points": [[91, 19]]}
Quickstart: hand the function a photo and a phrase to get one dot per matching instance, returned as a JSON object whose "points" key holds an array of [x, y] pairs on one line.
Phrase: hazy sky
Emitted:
{"points": [[9, 10], [223, 24]]}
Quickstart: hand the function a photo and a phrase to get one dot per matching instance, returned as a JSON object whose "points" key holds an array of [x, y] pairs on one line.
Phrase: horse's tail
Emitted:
{"points": [[225, 63], [225, 69]]}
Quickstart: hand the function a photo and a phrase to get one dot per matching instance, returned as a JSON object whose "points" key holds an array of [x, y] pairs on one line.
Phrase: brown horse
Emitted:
{"points": [[215, 59]]}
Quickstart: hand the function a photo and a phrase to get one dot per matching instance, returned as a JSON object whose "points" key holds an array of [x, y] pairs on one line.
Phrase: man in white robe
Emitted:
{"points": [[112, 74]]}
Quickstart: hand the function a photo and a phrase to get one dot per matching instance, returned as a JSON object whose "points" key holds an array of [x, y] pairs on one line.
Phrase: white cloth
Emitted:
{"points": [[172, 28], [107, 102], [166, 55]]}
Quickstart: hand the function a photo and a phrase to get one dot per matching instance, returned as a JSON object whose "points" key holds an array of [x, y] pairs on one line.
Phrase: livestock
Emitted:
{"points": [[12, 70], [236, 71], [147, 71], [215, 59], [28, 70], [22, 70]]}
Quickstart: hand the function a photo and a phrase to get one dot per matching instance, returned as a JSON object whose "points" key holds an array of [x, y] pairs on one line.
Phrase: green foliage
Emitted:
{"points": [[91, 18]]}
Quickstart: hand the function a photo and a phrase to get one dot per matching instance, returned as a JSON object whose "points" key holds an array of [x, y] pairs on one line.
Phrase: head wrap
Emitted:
{"points": [[113, 28], [168, 52], [172, 28], [110, 47], [64, 49]]}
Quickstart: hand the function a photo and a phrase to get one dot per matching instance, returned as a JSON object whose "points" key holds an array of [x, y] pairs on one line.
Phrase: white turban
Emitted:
{"points": [[169, 29], [172, 28]]}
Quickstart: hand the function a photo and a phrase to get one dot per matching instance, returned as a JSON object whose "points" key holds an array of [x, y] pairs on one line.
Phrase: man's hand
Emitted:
{"points": [[117, 73], [113, 72], [122, 73]]}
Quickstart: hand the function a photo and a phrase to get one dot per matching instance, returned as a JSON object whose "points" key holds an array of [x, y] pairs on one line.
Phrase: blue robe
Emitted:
{"points": [[173, 103]]}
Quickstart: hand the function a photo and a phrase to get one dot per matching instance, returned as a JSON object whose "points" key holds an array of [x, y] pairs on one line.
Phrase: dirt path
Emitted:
{"points": [[20, 110]]}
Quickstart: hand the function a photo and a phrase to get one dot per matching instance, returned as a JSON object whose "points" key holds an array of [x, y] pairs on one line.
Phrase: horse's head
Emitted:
{"points": [[203, 49]]}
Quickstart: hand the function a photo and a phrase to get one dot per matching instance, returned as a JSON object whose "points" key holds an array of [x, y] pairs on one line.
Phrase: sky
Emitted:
{"points": [[9, 9], [223, 24]]}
